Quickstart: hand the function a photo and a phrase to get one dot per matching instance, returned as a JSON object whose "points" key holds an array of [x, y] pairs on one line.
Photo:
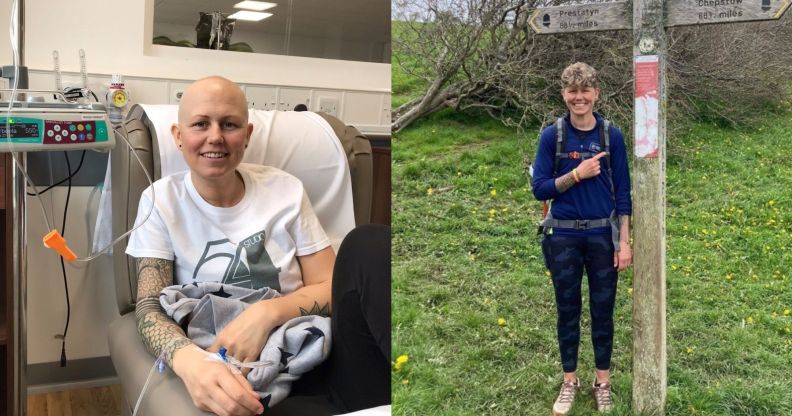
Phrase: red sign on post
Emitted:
{"points": [[647, 111]]}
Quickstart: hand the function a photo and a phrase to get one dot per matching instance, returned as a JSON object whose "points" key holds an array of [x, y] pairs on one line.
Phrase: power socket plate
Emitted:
{"points": [[329, 105]]}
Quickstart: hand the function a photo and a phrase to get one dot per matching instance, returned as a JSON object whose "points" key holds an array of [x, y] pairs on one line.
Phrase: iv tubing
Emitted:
{"points": [[145, 385], [151, 208]]}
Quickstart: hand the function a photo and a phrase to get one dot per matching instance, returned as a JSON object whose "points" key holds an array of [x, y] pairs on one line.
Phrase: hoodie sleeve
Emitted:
{"points": [[543, 181], [621, 173]]}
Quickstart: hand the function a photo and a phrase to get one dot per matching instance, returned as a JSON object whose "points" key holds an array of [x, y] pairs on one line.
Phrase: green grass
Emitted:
{"points": [[465, 256]]}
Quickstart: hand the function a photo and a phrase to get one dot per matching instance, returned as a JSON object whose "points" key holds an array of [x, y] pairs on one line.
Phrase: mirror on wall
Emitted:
{"points": [[351, 30]]}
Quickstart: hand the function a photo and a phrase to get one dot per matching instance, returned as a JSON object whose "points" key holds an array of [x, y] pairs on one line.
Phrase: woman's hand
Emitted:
{"points": [[244, 337], [212, 385], [622, 259], [590, 167]]}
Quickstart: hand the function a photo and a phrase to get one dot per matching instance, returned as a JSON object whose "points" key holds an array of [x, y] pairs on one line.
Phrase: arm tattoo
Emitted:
{"points": [[624, 228], [160, 334], [564, 182], [316, 310], [153, 276]]}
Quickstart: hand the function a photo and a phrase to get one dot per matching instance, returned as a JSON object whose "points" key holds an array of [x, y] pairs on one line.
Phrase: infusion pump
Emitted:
{"points": [[39, 126]]}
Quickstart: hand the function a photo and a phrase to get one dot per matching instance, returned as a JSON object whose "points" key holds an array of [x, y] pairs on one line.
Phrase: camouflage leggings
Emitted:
{"points": [[565, 257]]}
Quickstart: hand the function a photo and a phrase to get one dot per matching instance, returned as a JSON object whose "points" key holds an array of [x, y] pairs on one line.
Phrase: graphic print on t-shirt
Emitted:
{"points": [[253, 270]]}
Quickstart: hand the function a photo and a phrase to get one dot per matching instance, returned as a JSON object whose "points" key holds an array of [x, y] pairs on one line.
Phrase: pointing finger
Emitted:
{"points": [[599, 155]]}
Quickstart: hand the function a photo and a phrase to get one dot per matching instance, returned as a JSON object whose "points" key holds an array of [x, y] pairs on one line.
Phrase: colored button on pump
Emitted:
{"points": [[80, 127], [72, 127], [56, 127], [57, 137], [89, 136], [50, 133], [82, 136], [73, 137], [88, 127]]}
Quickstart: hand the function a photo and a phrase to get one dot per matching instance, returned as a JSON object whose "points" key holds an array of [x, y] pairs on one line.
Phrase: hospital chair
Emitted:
{"points": [[332, 160]]}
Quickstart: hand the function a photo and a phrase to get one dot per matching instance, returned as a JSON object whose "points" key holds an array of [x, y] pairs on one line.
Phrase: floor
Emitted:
{"points": [[97, 401]]}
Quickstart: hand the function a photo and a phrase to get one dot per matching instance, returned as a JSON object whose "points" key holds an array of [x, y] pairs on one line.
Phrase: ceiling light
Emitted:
{"points": [[248, 15], [254, 5]]}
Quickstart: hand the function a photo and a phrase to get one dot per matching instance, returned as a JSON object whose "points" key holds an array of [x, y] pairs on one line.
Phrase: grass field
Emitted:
{"points": [[466, 255]]}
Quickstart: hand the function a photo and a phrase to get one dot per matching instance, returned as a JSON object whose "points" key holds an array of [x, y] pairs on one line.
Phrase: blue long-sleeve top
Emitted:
{"points": [[591, 198]]}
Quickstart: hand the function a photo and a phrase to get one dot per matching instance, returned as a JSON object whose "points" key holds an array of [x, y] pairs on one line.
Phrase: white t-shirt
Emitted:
{"points": [[252, 244]]}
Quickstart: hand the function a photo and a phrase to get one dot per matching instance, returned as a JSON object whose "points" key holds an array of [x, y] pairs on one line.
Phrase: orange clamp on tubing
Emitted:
{"points": [[54, 241]]}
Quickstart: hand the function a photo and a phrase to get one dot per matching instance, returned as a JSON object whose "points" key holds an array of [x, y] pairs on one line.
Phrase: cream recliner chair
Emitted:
{"points": [[331, 159]]}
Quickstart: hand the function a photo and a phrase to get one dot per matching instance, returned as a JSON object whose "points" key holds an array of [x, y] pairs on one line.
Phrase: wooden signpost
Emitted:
{"points": [[693, 12], [649, 20], [581, 17]]}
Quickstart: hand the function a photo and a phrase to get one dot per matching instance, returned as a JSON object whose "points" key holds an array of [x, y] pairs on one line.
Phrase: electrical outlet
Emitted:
{"points": [[289, 98], [176, 89], [329, 105], [262, 98]]}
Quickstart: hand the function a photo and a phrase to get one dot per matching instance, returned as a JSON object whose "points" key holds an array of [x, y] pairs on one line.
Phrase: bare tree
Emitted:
{"points": [[482, 54]]}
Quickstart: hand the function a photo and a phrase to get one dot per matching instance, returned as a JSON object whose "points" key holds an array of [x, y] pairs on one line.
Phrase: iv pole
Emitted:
{"points": [[19, 260]]}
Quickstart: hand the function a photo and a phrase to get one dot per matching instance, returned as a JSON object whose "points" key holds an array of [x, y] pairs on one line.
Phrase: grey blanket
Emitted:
{"points": [[295, 347]]}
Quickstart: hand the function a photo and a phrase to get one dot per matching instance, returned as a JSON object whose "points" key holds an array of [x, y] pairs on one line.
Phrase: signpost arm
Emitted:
{"points": [[649, 291]]}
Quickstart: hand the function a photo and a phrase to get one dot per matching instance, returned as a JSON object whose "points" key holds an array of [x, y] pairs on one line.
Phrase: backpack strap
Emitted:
{"points": [[560, 143], [605, 130]]}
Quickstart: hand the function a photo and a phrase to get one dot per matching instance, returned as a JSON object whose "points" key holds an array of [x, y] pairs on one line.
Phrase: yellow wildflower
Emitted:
{"points": [[689, 350], [405, 382], [400, 361], [501, 321], [493, 192], [728, 277], [629, 291], [492, 211], [749, 320], [429, 191], [786, 312], [491, 219]]}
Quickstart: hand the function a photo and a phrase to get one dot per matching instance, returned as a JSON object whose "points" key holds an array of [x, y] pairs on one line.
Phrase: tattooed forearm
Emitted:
{"points": [[624, 228], [153, 276], [146, 305], [160, 334], [563, 183], [316, 310]]}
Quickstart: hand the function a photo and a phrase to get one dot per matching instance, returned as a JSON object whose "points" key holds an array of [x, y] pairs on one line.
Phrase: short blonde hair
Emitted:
{"points": [[580, 75]]}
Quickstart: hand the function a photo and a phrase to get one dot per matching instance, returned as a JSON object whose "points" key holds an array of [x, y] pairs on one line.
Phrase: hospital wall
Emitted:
{"points": [[115, 35]]}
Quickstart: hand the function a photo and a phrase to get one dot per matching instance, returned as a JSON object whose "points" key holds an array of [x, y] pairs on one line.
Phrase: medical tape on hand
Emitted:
{"points": [[232, 363]]}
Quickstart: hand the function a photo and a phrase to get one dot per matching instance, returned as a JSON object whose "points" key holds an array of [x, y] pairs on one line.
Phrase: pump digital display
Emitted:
{"points": [[20, 131]]}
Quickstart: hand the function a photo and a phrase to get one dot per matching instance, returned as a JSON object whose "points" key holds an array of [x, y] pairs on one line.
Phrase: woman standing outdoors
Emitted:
{"points": [[581, 165]]}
